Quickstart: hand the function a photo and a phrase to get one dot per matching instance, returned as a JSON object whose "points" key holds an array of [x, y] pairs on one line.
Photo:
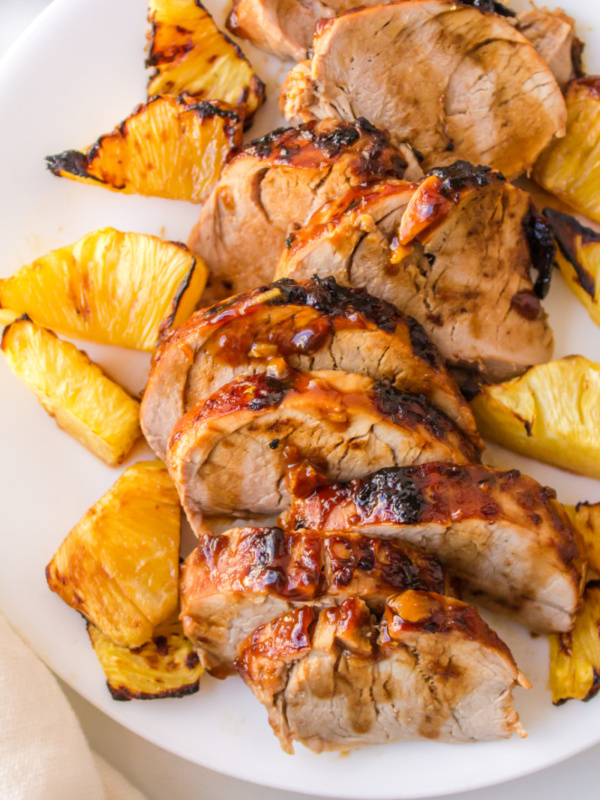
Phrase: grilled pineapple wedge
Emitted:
{"points": [[575, 656], [83, 400], [109, 287], [570, 167], [551, 413], [165, 666], [190, 55], [578, 257], [585, 518], [170, 147], [119, 566]]}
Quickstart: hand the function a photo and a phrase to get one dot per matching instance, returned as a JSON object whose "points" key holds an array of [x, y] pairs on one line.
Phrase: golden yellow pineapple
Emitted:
{"points": [[165, 666], [578, 257], [190, 55], [109, 287], [83, 400], [575, 656], [119, 566], [570, 167], [551, 413], [168, 147], [585, 518]]}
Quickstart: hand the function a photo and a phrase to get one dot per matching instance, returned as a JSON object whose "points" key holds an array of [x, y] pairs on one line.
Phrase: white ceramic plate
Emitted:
{"points": [[75, 74]]}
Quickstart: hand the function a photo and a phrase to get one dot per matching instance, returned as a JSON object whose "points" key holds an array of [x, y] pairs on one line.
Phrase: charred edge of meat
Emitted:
{"points": [[283, 144], [566, 229], [327, 296], [414, 408], [394, 491], [542, 249], [492, 6], [577, 49], [422, 344], [462, 175]]}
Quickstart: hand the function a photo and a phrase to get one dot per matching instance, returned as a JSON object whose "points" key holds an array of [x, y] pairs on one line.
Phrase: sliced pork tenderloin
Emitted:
{"points": [[315, 325], [455, 253], [231, 455], [272, 186], [453, 81], [552, 33], [432, 669], [246, 577], [500, 532]]}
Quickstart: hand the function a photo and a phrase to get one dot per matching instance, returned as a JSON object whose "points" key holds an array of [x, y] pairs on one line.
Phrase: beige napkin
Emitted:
{"points": [[43, 752]]}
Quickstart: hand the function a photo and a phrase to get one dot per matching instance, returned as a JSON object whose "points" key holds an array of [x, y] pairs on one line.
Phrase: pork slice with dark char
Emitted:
{"points": [[432, 669], [312, 326], [246, 577], [456, 253], [272, 186], [502, 533], [452, 80], [231, 455]]}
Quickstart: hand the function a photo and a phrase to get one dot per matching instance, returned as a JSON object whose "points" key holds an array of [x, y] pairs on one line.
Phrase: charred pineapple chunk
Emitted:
{"points": [[190, 55], [109, 287], [83, 400], [585, 518], [578, 257], [165, 666], [551, 413], [169, 147], [575, 656], [570, 167], [119, 566]]}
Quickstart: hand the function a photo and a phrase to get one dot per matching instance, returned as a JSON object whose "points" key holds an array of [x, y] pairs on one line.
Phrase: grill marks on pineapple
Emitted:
{"points": [[171, 147]]}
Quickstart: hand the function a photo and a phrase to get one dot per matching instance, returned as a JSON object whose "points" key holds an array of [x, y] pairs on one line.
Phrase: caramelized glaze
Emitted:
{"points": [[304, 566], [439, 495]]}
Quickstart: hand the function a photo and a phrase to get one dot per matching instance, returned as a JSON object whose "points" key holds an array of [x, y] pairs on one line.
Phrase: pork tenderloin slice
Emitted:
{"points": [[316, 325], [455, 253], [431, 669], [246, 577], [552, 33], [272, 186], [500, 532], [453, 81], [231, 455], [286, 28]]}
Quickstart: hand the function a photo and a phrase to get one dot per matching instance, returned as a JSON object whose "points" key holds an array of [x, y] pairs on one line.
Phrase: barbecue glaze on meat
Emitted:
{"points": [[500, 532], [432, 669], [272, 186], [246, 577], [452, 80], [231, 455], [315, 325], [455, 253]]}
